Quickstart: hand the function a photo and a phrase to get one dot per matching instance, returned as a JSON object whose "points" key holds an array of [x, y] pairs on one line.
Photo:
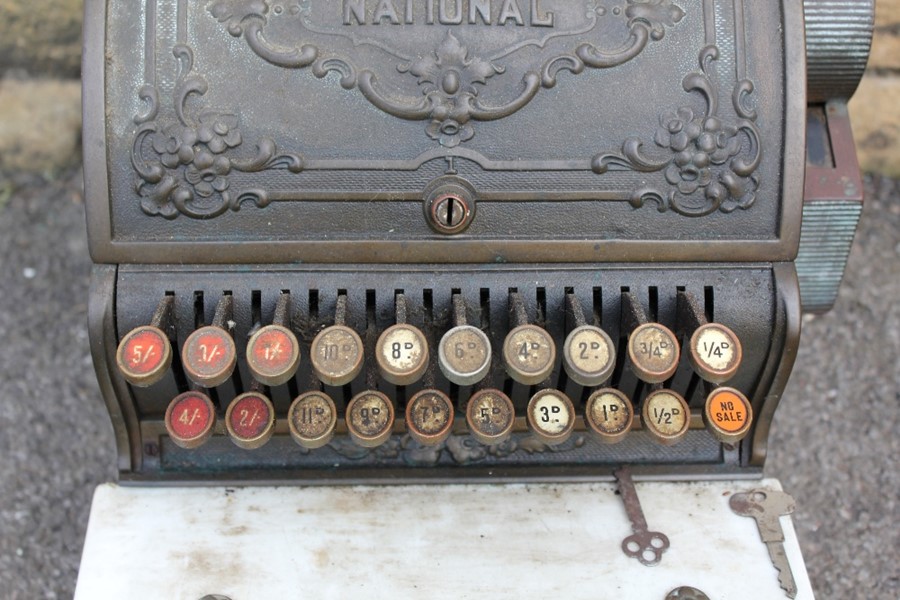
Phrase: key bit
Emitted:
{"points": [[646, 546], [767, 507]]}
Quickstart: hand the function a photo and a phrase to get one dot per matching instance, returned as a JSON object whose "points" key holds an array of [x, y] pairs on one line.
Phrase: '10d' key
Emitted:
{"points": [[767, 507]]}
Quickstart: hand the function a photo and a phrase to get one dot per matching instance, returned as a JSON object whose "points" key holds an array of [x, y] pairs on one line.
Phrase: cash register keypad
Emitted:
{"points": [[595, 386]]}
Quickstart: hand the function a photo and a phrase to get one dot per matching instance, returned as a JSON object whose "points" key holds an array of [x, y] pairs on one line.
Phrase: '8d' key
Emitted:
{"points": [[767, 507]]}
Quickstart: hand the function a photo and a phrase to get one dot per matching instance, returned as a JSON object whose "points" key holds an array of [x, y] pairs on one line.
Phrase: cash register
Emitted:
{"points": [[429, 284]]}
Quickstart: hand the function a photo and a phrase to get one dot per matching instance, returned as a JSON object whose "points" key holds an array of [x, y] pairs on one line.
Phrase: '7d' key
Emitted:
{"points": [[767, 506]]}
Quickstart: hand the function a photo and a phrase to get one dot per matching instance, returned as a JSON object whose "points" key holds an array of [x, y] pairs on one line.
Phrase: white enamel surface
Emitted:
{"points": [[554, 541]]}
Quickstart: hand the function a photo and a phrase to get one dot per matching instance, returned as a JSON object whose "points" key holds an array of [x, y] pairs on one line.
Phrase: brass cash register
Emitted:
{"points": [[459, 240]]}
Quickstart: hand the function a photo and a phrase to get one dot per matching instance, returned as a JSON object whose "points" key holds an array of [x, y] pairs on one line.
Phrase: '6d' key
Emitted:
{"points": [[646, 546], [767, 507]]}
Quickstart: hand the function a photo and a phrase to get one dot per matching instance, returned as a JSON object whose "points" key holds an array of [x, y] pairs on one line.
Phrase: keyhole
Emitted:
{"points": [[449, 206], [450, 211]]}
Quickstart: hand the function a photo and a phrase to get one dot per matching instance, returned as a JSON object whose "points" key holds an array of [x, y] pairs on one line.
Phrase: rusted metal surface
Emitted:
{"points": [[832, 205], [645, 545]]}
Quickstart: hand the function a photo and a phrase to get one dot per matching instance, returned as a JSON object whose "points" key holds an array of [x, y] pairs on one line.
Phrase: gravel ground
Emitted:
{"points": [[834, 443]]}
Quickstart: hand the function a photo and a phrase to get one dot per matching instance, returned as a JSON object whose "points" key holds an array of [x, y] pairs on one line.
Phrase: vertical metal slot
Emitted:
{"points": [[598, 307], [371, 337], [171, 330], [485, 300], [428, 328], [199, 310], [428, 307], [401, 307], [458, 316], [228, 324], [709, 301], [313, 309], [637, 396], [293, 388], [692, 389], [653, 294], [541, 299], [255, 309], [622, 346]]}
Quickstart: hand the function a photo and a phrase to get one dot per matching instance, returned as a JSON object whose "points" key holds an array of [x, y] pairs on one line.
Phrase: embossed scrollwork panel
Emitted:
{"points": [[606, 119]]}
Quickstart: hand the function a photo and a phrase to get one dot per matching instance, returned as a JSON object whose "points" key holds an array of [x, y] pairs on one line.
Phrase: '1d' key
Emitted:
{"points": [[767, 507]]}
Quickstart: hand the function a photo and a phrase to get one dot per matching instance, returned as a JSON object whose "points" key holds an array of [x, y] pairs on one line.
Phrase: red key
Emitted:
{"points": [[250, 420], [209, 356], [144, 355], [190, 419], [273, 354]]}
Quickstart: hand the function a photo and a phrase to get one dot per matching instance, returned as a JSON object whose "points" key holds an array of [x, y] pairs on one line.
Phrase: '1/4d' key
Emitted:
{"points": [[767, 507]]}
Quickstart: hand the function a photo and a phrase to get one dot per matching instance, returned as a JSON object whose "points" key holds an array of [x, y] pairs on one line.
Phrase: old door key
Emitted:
{"points": [[767, 506], [646, 546]]}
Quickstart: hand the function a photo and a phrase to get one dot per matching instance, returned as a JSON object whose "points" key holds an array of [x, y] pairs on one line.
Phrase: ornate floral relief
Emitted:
{"points": [[183, 161], [709, 162], [465, 449], [462, 449], [450, 100], [647, 19]]}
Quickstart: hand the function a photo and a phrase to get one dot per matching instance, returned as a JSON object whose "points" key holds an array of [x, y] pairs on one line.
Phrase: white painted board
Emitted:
{"points": [[517, 541]]}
